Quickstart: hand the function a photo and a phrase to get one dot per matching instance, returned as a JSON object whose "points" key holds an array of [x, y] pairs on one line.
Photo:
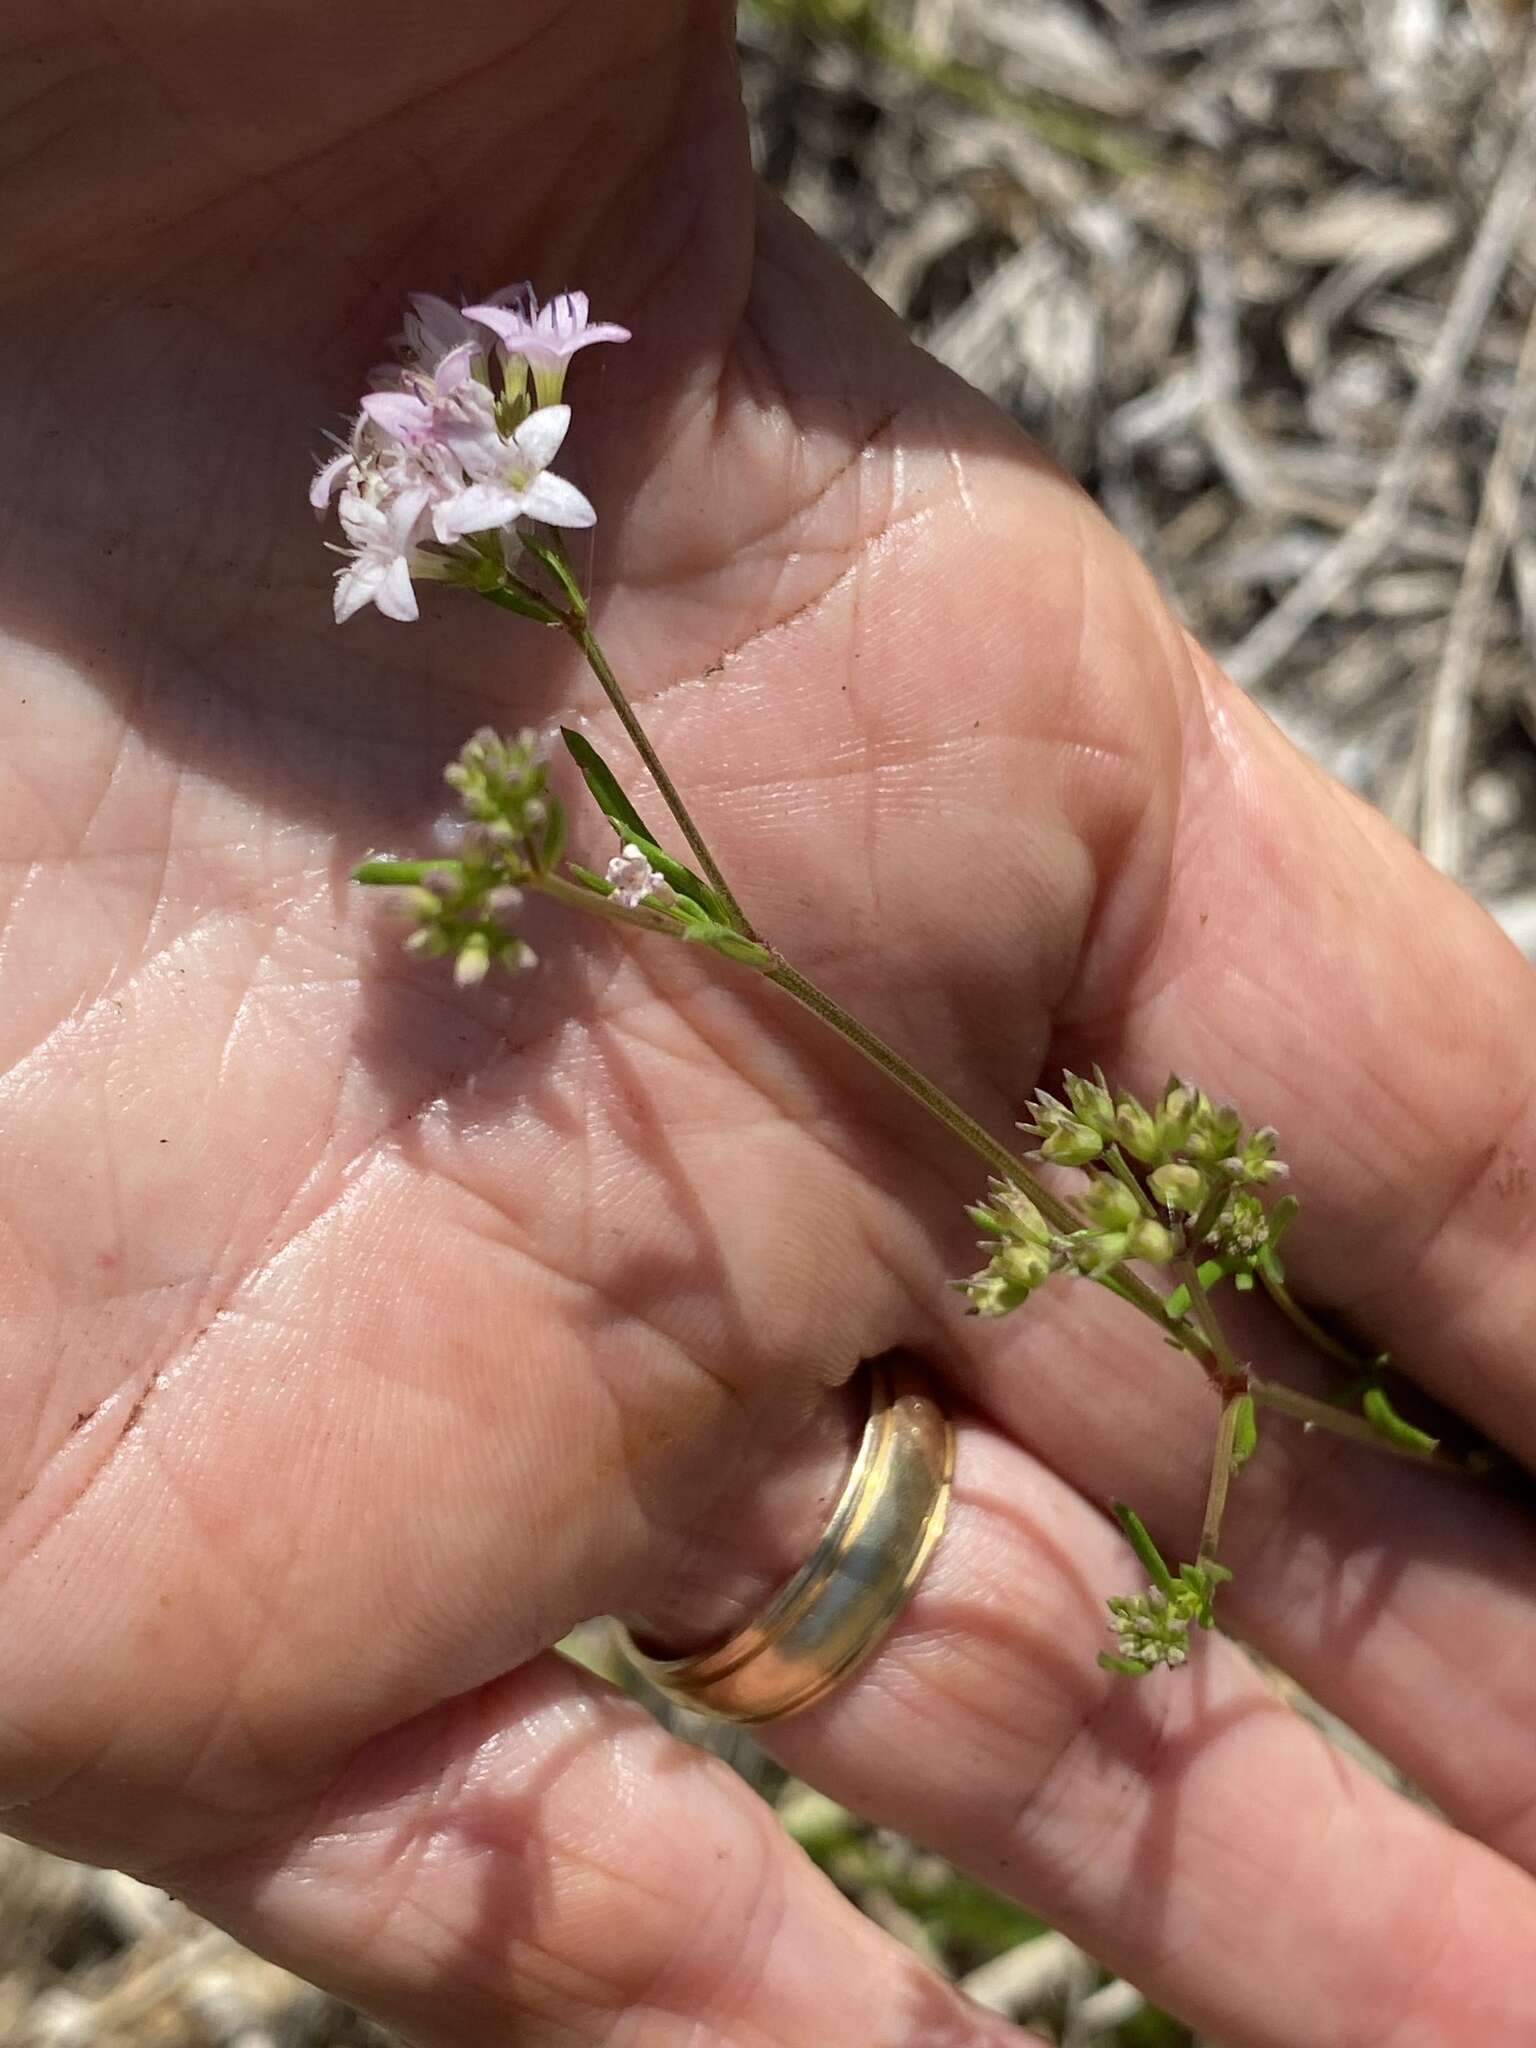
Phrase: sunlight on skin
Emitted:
{"points": [[359, 1335]]}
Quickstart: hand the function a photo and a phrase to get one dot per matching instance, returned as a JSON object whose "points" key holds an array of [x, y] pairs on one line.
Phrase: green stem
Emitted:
{"points": [[1115, 1160], [1314, 1414], [1059, 1214], [1221, 1475], [597, 661], [1313, 1331], [1221, 1366]]}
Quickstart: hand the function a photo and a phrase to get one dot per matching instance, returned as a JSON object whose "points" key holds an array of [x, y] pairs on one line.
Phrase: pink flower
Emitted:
{"points": [[434, 328], [546, 337], [510, 479]]}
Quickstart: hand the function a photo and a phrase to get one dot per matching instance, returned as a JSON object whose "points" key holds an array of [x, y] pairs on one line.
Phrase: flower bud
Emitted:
{"points": [[1110, 1205], [1023, 1266], [1151, 1241], [474, 961], [1070, 1143], [1091, 1104], [1179, 1186], [1136, 1128], [1214, 1132]]}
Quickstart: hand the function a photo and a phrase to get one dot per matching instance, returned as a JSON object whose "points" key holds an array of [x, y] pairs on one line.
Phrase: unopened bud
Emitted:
{"points": [[1178, 1186]]}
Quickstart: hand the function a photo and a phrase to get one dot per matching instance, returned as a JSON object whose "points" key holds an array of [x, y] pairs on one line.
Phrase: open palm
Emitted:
{"points": [[361, 1336]]}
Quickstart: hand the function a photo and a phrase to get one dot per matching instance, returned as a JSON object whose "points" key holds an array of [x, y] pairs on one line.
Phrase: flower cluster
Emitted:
{"points": [[1152, 1628], [452, 449], [1023, 1253], [1164, 1180], [514, 831]]}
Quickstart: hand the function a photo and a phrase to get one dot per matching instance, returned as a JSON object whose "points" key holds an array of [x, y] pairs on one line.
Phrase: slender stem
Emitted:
{"points": [[1115, 1160], [1222, 1367], [576, 897], [1059, 1214], [1221, 1475], [1313, 1331], [1314, 1414], [576, 624]]}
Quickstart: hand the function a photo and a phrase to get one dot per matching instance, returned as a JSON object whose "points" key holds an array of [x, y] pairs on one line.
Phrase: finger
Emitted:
{"points": [[539, 1862], [1403, 1600], [1192, 1832], [1312, 967]]}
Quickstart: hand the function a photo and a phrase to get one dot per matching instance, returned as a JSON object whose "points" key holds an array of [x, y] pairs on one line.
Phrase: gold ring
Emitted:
{"points": [[827, 1619]]}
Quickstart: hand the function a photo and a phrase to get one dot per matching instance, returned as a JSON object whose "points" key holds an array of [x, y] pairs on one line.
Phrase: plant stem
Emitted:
{"points": [[1313, 1331], [1221, 1475], [597, 661], [1314, 1414], [1059, 1214], [1221, 1366]]}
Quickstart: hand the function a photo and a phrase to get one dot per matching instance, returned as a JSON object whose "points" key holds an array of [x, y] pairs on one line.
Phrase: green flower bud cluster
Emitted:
{"points": [[1161, 1179], [1152, 1628], [458, 907], [1118, 1228], [1023, 1252], [502, 786], [514, 833]]}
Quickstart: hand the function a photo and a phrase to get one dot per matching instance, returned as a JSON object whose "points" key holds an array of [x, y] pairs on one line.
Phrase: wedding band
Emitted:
{"points": [[826, 1620]]}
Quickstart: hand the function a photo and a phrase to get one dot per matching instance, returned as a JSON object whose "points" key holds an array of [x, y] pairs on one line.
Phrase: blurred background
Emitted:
{"points": [[1262, 273]]}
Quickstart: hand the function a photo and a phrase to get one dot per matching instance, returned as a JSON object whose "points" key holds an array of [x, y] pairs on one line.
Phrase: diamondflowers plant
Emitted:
{"points": [[447, 476]]}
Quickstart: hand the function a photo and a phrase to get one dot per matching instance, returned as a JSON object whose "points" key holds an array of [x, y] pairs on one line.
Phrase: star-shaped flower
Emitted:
{"points": [[511, 478]]}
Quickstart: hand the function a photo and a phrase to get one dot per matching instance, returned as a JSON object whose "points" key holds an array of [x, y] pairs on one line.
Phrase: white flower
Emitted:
{"points": [[510, 479], [633, 879], [381, 546]]}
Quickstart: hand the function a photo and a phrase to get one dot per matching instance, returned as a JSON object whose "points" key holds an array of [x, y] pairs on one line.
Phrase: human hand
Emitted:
{"points": [[361, 1336]]}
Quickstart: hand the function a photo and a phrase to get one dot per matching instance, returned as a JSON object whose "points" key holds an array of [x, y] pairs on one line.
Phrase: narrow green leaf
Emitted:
{"points": [[599, 883], [1176, 1304], [628, 823], [398, 874], [526, 606], [1212, 1271], [1386, 1422], [1281, 1217], [1245, 1432], [604, 785], [554, 561], [1124, 1665], [1146, 1550]]}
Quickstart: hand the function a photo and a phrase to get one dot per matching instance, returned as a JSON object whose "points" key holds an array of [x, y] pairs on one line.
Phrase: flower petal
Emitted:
{"points": [[355, 587], [399, 414], [538, 439], [480, 508], [327, 477], [510, 324], [395, 596], [557, 503]]}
